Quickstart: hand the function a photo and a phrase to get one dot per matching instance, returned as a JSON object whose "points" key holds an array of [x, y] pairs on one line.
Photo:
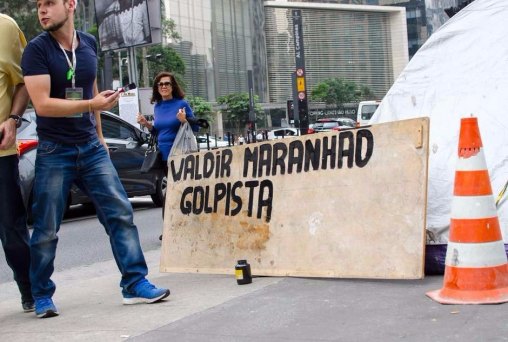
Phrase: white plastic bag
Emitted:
{"points": [[185, 141]]}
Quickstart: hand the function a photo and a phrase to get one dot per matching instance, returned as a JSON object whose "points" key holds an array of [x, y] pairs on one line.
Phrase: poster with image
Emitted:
{"points": [[122, 23]]}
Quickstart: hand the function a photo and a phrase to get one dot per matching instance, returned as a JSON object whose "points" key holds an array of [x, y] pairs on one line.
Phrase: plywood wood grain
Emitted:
{"points": [[347, 204]]}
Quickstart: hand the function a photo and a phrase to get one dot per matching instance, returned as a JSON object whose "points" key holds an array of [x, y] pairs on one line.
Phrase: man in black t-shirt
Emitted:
{"points": [[59, 68]]}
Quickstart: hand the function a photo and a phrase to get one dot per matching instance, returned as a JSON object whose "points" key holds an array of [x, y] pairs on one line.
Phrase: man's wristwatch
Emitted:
{"points": [[16, 118]]}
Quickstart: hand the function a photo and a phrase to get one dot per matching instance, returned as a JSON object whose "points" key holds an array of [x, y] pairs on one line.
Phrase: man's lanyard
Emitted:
{"points": [[71, 73]]}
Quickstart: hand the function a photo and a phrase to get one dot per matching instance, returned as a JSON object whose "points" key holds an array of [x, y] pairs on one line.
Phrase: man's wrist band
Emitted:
{"points": [[17, 119]]}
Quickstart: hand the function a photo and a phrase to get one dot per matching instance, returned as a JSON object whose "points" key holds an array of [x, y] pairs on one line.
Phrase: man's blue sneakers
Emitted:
{"points": [[44, 308], [144, 292]]}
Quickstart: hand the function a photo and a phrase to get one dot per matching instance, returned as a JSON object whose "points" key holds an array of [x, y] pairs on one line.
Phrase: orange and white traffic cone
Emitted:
{"points": [[476, 266]]}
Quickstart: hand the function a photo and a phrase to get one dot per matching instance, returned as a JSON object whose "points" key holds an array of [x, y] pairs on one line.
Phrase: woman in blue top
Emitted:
{"points": [[170, 111]]}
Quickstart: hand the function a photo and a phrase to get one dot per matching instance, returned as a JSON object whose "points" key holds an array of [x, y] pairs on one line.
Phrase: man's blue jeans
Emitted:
{"points": [[13, 231], [57, 167]]}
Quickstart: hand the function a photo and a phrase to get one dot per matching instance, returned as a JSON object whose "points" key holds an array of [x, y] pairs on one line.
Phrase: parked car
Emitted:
{"points": [[326, 125], [282, 133], [210, 143], [127, 145]]}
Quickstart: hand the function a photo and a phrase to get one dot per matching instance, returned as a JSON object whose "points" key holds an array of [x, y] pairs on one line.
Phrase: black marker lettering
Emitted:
{"points": [[198, 196], [186, 206], [219, 194], [208, 165], [227, 158], [237, 199], [360, 136], [217, 164], [343, 152], [250, 157], [189, 167], [278, 160], [208, 209], [265, 200], [329, 152], [198, 175], [251, 185], [312, 153], [228, 198], [295, 156], [265, 160], [176, 175]]}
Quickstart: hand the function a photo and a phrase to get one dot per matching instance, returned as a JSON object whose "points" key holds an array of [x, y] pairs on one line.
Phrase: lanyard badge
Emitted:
{"points": [[72, 93], [71, 73]]}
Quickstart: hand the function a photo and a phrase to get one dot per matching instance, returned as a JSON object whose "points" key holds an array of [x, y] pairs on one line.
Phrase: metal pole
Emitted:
{"points": [[107, 72], [301, 102], [296, 102], [144, 64], [120, 65], [252, 113], [133, 74]]}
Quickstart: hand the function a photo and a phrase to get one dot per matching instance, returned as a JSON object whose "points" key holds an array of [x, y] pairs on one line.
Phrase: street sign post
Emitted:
{"points": [[252, 112], [299, 84]]}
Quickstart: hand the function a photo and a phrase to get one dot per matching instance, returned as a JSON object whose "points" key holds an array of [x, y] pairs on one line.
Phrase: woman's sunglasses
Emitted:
{"points": [[164, 84]]}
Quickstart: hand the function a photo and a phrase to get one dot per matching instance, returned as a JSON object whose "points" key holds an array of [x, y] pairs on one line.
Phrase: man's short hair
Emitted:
{"points": [[63, 1]]}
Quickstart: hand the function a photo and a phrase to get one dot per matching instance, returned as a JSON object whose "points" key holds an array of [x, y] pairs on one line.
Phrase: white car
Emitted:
{"points": [[282, 133], [211, 143]]}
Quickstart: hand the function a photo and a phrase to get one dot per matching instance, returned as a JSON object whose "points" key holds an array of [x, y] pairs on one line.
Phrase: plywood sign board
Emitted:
{"points": [[348, 204]]}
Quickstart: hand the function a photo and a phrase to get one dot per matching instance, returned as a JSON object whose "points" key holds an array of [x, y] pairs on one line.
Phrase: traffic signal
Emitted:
{"points": [[290, 110]]}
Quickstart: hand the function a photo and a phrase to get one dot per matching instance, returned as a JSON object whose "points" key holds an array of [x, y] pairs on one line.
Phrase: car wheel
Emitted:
{"points": [[160, 191]]}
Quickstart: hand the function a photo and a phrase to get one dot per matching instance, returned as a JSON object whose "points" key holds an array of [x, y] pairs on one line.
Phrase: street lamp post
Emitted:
{"points": [[120, 66], [152, 58]]}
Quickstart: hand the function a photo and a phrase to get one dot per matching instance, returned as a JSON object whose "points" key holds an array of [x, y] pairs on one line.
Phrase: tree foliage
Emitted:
{"points": [[337, 91], [201, 108], [237, 108], [25, 14], [169, 29], [164, 58]]}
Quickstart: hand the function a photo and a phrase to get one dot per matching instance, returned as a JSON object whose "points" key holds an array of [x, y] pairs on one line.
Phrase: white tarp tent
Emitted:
{"points": [[461, 70]]}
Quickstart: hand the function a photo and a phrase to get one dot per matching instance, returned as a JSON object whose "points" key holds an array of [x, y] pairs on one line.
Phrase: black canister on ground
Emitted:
{"points": [[242, 272]]}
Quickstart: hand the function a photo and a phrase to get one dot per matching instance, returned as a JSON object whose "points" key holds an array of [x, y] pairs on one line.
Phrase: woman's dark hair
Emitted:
{"points": [[177, 92]]}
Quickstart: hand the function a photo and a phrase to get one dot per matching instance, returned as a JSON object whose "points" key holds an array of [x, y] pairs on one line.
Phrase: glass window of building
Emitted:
{"points": [[355, 45]]}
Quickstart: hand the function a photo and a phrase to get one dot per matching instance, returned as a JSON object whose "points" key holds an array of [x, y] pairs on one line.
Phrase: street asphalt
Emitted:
{"points": [[207, 307]]}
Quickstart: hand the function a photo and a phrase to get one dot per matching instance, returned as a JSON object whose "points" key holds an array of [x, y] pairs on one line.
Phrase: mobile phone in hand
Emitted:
{"points": [[127, 87], [1, 136]]}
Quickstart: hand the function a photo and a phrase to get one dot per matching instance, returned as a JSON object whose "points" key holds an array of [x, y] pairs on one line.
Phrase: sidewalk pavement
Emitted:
{"points": [[204, 307], [89, 300]]}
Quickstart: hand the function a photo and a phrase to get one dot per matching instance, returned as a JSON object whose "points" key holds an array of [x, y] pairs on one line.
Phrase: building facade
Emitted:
{"points": [[223, 39], [364, 44], [424, 17]]}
